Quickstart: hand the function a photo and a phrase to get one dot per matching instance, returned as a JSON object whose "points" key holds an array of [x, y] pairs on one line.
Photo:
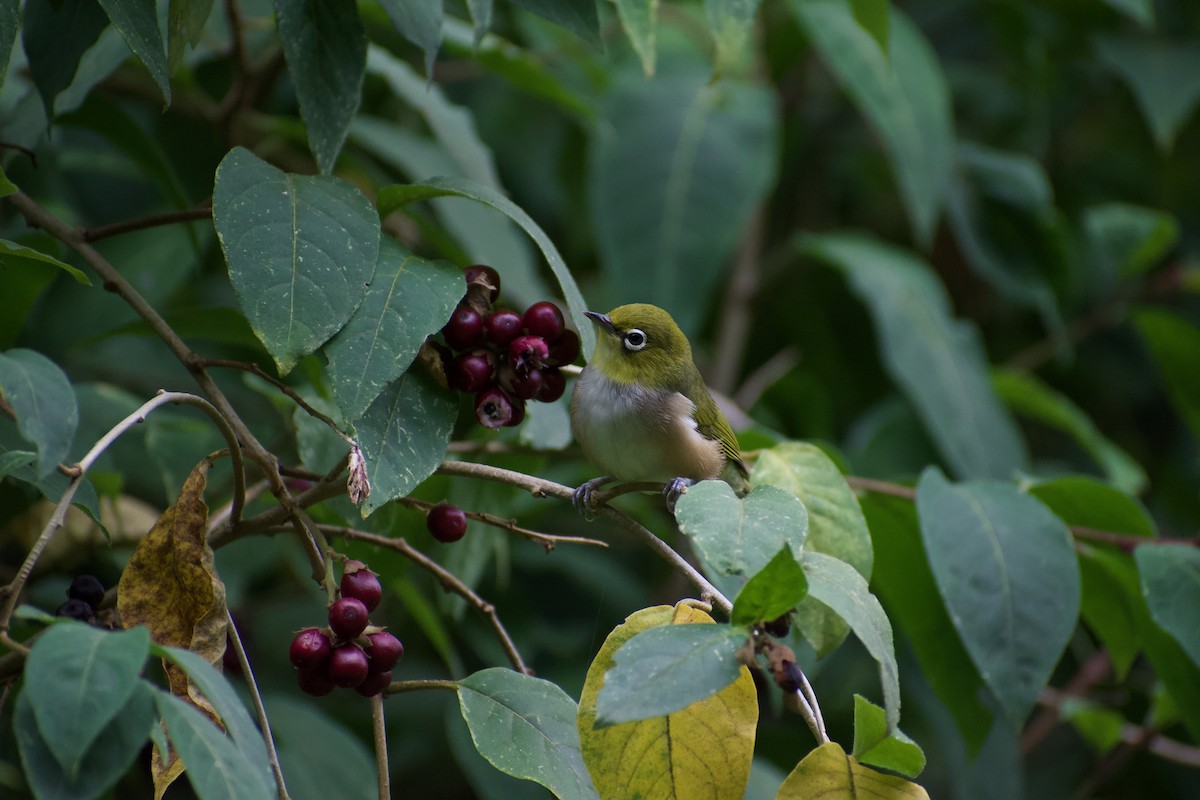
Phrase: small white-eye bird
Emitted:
{"points": [[641, 411]]}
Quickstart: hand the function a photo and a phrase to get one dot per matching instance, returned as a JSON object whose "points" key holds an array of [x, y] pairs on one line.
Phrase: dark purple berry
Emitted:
{"points": [[493, 408], [481, 274], [527, 386], [348, 666], [472, 371], [310, 649], [545, 320], [315, 682], [348, 617], [553, 385], [527, 353], [502, 326], [385, 649], [87, 588], [565, 349], [361, 584], [518, 414], [447, 523], [465, 328], [778, 628], [374, 683], [75, 608]]}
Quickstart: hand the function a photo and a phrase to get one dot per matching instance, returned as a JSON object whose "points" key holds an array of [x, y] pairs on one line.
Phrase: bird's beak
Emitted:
{"points": [[603, 320]]}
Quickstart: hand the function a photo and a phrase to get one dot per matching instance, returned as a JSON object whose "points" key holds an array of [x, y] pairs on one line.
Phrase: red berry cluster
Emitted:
{"points": [[505, 358], [351, 652]]}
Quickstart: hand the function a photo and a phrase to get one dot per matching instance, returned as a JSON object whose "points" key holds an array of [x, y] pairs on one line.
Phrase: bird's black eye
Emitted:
{"points": [[634, 339]]}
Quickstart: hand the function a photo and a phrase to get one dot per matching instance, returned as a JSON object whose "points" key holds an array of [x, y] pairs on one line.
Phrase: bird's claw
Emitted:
{"points": [[675, 488], [583, 496]]}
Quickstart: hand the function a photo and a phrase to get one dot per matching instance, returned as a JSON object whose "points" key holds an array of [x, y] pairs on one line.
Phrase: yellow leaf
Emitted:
{"points": [[827, 773], [702, 752], [164, 774]]}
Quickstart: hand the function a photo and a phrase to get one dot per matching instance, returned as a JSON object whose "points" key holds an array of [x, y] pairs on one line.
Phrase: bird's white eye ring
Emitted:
{"points": [[634, 339]]}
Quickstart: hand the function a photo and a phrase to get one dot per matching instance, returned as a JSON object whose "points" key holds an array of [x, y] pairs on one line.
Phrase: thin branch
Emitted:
{"points": [[446, 578], [259, 709], [400, 687], [1094, 670], [256, 370], [546, 540], [152, 221], [379, 731]]}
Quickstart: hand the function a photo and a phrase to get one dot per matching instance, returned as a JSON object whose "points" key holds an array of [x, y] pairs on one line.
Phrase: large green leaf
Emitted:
{"points": [[836, 584], [901, 92], [1170, 577], [43, 402], [525, 727], [1006, 570], [392, 197], [874, 17], [1164, 77], [676, 169], [55, 36], [1088, 502], [301, 250], [112, 752], [578, 16], [420, 23], [639, 18], [326, 52], [403, 435], [1173, 343], [216, 767], [137, 20], [1140, 11], [13, 254], [936, 360], [77, 680], [408, 299], [874, 744]]}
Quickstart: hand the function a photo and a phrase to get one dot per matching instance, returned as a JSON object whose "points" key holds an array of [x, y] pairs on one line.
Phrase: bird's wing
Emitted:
{"points": [[720, 431]]}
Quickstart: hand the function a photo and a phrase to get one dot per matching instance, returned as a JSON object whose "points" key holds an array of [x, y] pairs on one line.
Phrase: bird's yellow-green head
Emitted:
{"points": [[640, 343]]}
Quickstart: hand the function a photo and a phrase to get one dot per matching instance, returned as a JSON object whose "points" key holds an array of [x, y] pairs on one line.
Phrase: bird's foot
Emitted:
{"points": [[583, 496], [675, 488]]}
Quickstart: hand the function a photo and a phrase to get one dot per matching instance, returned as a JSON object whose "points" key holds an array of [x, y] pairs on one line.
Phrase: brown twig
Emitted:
{"points": [[1094, 670], [546, 540], [152, 221], [257, 371], [379, 733], [259, 710], [399, 687]]}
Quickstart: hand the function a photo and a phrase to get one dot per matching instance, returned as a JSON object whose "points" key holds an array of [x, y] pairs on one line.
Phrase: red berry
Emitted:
{"points": [[472, 371], [518, 414], [348, 617], [527, 353], [348, 665], [502, 326], [374, 684], [493, 408], [315, 682], [464, 329], [310, 649], [526, 386], [480, 274], [553, 385], [544, 319], [361, 584], [385, 649], [447, 523], [565, 349]]}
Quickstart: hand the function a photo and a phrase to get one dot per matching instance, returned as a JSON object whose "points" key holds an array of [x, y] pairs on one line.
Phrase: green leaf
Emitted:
{"points": [[902, 93], [936, 360], [404, 435], [836, 584], [185, 27], [526, 728], [1163, 76], [874, 745], [1099, 726], [17, 255], [421, 24], [481, 17], [772, 591], [216, 767], [639, 18], [828, 772], [43, 402], [1024, 394], [906, 586], [1170, 578], [1140, 11], [137, 20], [109, 757], [316, 753], [874, 17], [730, 22], [1124, 240], [326, 53], [662, 670], [578, 16], [1109, 608], [669, 199], [740, 536], [10, 23], [1006, 570], [301, 251], [55, 36], [1084, 501], [393, 197], [77, 680], [409, 298], [1173, 343]]}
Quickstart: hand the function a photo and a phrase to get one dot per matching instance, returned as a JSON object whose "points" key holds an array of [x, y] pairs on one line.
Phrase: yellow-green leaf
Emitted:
{"points": [[703, 750], [828, 772]]}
